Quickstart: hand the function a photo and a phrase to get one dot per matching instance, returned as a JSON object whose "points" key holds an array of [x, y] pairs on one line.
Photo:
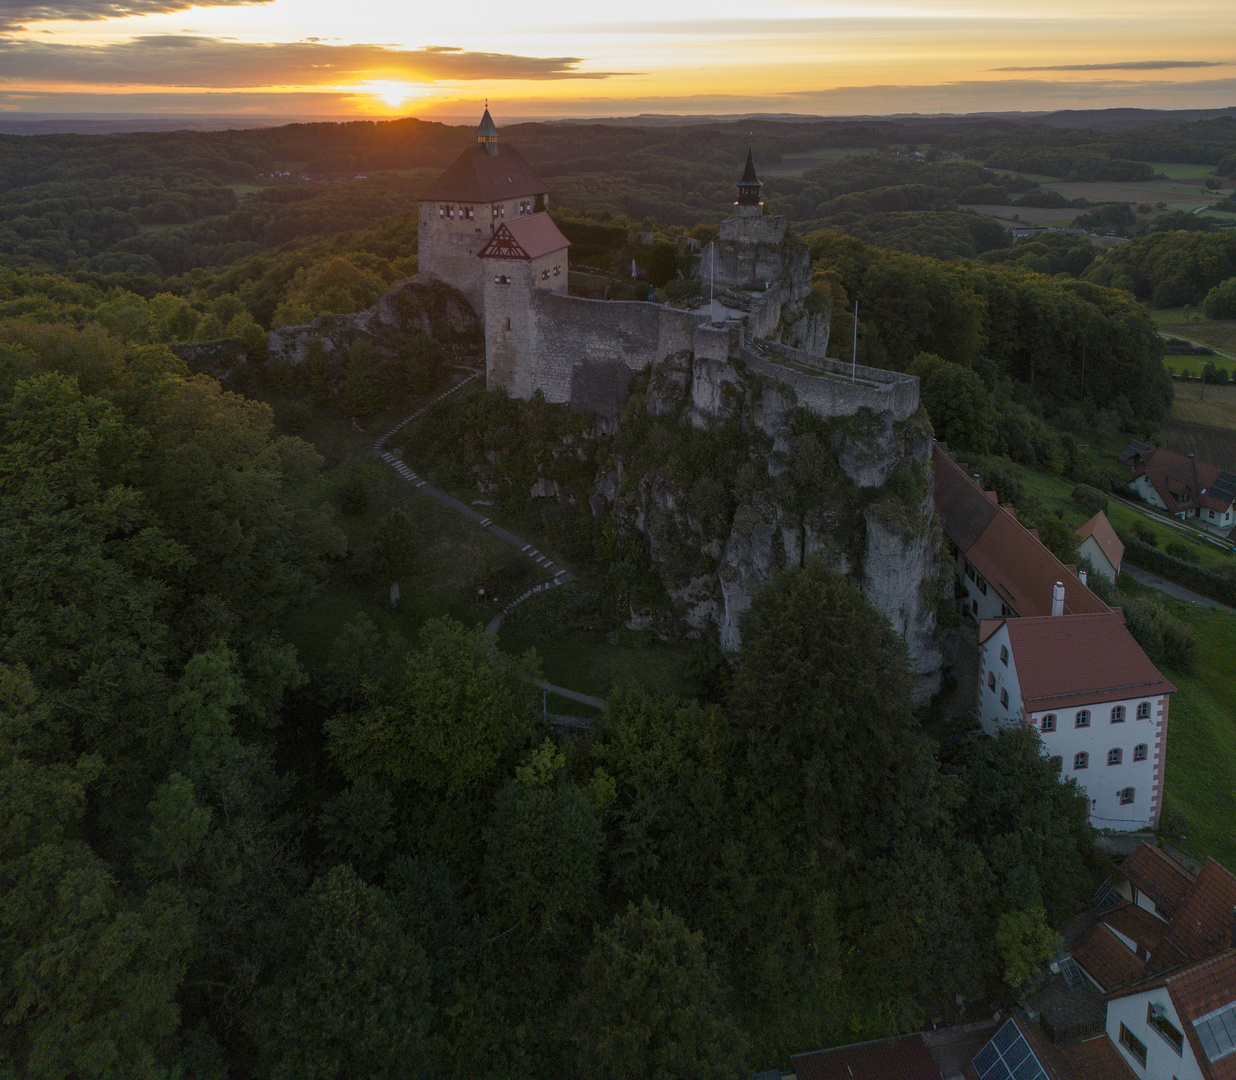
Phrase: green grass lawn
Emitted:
{"points": [[595, 663], [1201, 739], [1178, 170]]}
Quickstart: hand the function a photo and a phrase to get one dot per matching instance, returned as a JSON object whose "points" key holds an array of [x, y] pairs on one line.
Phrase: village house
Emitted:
{"points": [[1101, 545], [1097, 701], [1165, 956], [1182, 486], [1053, 656]]}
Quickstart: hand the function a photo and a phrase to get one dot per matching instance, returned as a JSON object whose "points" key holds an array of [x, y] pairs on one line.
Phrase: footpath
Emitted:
{"points": [[558, 575]]}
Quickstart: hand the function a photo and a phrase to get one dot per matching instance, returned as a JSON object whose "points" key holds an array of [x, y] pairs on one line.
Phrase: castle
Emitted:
{"points": [[485, 230]]}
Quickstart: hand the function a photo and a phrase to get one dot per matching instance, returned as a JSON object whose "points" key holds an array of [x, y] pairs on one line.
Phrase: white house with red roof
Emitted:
{"points": [[1100, 544], [1183, 486], [1096, 700]]}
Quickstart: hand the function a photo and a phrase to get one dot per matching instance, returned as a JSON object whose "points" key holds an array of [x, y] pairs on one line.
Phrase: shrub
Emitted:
{"points": [[296, 416], [1089, 499], [1163, 637], [1220, 302], [1178, 549], [1191, 576], [1145, 534]]}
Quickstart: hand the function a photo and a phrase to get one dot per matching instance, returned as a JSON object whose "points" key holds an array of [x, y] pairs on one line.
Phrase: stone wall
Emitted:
{"points": [[830, 393], [447, 250]]}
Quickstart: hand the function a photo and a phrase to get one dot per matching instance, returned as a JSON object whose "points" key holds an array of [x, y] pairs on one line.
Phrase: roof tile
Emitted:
{"points": [[905, 1058], [1105, 536], [1107, 960], [1159, 876], [478, 176]]}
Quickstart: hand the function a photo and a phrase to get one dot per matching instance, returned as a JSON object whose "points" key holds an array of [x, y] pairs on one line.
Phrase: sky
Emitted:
{"points": [[560, 58]]}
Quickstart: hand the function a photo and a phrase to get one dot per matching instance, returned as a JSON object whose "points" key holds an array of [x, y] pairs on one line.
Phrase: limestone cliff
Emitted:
{"points": [[854, 491]]}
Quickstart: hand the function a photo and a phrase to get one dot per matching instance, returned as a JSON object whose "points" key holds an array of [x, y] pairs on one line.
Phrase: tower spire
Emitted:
{"points": [[487, 132], [749, 186]]}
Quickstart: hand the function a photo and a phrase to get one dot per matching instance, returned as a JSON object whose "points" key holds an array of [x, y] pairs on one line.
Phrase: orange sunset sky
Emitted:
{"points": [[554, 58]]}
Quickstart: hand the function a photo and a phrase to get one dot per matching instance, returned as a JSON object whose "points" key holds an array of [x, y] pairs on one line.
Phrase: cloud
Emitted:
{"points": [[15, 13], [185, 60], [1128, 65]]}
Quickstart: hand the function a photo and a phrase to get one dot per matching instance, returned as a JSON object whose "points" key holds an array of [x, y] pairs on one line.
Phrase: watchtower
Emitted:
{"points": [[749, 203]]}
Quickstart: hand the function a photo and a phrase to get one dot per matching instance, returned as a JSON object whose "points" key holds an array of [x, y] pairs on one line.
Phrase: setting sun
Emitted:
{"points": [[393, 94]]}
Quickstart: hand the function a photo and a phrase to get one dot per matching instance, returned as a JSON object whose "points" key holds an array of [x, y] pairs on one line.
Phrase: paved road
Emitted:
{"points": [[1145, 577], [559, 575], [1198, 344]]}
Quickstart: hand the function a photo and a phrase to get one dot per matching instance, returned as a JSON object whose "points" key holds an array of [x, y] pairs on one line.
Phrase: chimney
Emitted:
{"points": [[1082, 577], [1057, 599]]}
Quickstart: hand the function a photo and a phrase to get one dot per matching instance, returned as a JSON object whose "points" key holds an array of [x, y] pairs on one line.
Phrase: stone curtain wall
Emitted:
{"points": [[831, 393], [447, 250]]}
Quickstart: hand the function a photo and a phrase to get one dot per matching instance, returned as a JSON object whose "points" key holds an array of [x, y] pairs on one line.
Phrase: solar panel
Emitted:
{"points": [[1224, 487], [1217, 1032], [1007, 1056]]}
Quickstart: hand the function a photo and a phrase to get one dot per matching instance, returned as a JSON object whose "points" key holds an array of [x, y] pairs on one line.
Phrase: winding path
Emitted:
{"points": [[559, 575]]}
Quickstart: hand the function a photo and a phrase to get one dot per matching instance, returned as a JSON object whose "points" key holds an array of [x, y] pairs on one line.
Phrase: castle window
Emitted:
{"points": [[1126, 796], [507, 324], [495, 211], [1004, 699], [1139, 752], [557, 270], [441, 211], [1080, 761], [1113, 756], [468, 211], [991, 680], [982, 585], [544, 275], [502, 279], [1117, 714], [1049, 722], [1143, 710], [1082, 719], [1004, 655]]}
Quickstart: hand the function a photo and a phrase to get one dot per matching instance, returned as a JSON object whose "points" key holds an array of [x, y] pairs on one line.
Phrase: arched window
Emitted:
{"points": [[991, 680], [1004, 655], [1117, 714], [1143, 710], [1082, 719], [1049, 722], [1114, 755], [1139, 752], [1004, 699], [1126, 796], [1080, 761]]}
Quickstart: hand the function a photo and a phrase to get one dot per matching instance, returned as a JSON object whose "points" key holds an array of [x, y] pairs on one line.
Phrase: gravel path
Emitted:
{"points": [[1145, 577]]}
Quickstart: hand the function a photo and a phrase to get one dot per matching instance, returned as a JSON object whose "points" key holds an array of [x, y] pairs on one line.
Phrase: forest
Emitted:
{"points": [[221, 856]]}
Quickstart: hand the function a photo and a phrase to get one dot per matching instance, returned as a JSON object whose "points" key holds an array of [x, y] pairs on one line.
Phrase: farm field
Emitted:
{"points": [[1219, 334], [1197, 403], [1180, 170], [797, 164], [1178, 194], [1026, 215], [1217, 446]]}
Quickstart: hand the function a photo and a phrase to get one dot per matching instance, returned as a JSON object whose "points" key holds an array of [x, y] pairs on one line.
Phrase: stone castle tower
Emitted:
{"points": [[489, 205]]}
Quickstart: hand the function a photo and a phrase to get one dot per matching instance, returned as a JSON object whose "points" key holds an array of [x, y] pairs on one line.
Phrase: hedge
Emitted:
{"points": [[1190, 575]]}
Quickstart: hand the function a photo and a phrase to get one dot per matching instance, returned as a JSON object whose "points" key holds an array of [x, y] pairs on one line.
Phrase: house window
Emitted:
{"points": [[1156, 1019], [1004, 655], [1133, 1044], [1113, 756], [1004, 699], [1126, 796], [1139, 752], [982, 585], [1117, 714], [1080, 761], [1143, 710], [1049, 722], [969, 570], [991, 680], [1082, 719]]}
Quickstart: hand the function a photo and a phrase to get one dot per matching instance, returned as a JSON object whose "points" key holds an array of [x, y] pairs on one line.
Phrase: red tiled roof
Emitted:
{"points": [[1096, 1059], [477, 176], [1137, 924], [1107, 959], [1159, 876], [1203, 924], [1004, 551], [1180, 481], [904, 1058], [1105, 536], [525, 238], [1201, 989], [1068, 661]]}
